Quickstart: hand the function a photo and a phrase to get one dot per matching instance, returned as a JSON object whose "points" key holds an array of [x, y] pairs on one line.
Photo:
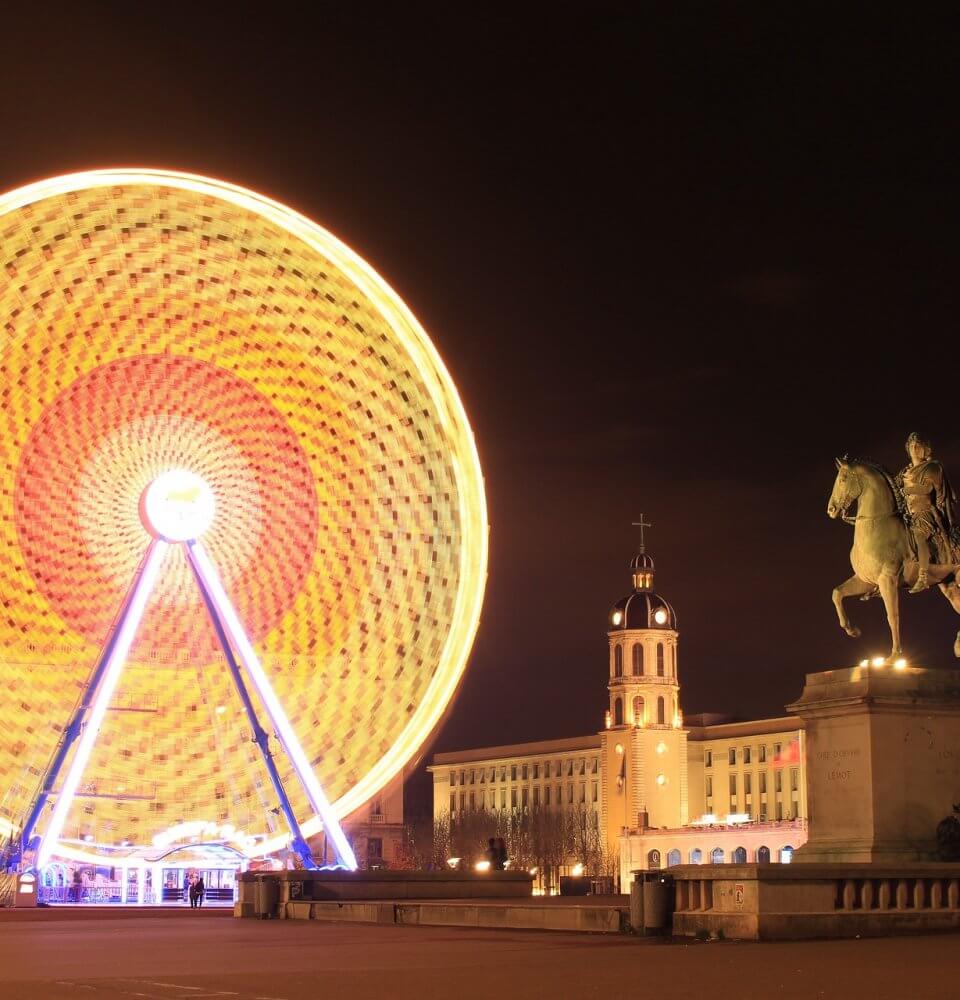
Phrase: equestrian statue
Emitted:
{"points": [[904, 533]]}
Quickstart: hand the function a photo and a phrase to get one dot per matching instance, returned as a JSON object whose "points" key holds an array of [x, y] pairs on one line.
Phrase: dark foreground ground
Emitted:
{"points": [[190, 957]]}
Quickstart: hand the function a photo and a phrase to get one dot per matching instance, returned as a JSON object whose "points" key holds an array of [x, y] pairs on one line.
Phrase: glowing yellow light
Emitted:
{"points": [[616, 618], [482, 866], [864, 663], [453, 862], [660, 616], [661, 748], [607, 719], [619, 748], [900, 664], [170, 282], [661, 779], [577, 870], [878, 661]]}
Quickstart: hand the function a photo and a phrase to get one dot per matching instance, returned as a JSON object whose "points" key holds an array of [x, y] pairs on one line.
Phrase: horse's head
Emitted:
{"points": [[846, 488]]}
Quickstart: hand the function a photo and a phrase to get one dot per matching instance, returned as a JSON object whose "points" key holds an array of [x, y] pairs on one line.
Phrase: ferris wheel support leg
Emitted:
{"points": [[206, 572], [260, 737], [83, 727]]}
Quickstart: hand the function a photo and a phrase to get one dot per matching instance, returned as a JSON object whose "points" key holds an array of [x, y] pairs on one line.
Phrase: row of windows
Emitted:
{"points": [[549, 769], [762, 781], [640, 712], [738, 856], [636, 657], [522, 798], [745, 755]]}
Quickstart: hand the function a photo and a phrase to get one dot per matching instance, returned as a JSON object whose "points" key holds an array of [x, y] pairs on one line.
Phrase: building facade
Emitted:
{"points": [[660, 790]]}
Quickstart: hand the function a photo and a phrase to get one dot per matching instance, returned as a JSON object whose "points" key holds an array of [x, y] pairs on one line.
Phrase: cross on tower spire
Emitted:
{"points": [[641, 524]]}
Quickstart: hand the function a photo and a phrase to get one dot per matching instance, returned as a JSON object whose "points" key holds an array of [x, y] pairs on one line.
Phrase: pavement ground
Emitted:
{"points": [[191, 957]]}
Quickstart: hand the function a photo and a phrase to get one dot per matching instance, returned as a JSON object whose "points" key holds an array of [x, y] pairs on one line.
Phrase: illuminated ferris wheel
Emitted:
{"points": [[243, 533]]}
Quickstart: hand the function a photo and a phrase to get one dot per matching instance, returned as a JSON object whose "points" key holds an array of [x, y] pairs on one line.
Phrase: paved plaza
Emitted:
{"points": [[188, 956]]}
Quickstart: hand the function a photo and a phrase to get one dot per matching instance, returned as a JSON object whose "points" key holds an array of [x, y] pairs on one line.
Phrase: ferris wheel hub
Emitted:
{"points": [[178, 506]]}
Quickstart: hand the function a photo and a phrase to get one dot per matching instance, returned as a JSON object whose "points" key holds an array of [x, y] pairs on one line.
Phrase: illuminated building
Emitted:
{"points": [[156, 321], [662, 789]]}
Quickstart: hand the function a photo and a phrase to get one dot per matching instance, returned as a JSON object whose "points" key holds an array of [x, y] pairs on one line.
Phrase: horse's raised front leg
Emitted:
{"points": [[891, 601], [849, 588], [951, 591]]}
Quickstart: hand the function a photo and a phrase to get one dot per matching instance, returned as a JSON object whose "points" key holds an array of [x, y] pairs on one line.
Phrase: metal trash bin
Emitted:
{"points": [[266, 897], [658, 900]]}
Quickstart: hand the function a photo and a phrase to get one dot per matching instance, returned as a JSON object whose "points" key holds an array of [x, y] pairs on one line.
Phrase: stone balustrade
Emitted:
{"points": [[814, 900]]}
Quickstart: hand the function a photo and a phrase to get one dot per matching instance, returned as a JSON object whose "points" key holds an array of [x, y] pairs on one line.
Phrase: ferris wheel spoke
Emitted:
{"points": [[90, 713], [205, 570]]}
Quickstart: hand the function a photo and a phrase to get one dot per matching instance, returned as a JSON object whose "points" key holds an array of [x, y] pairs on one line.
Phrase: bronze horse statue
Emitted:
{"points": [[883, 556]]}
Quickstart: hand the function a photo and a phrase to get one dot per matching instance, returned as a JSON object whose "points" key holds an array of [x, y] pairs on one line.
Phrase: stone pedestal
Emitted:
{"points": [[883, 762]]}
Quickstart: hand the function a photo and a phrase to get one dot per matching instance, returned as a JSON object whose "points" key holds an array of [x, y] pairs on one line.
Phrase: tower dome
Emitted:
{"points": [[644, 608]]}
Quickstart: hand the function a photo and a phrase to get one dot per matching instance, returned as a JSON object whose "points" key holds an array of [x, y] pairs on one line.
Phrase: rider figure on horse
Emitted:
{"points": [[929, 501]]}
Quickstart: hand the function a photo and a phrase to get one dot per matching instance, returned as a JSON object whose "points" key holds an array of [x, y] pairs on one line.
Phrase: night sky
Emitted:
{"points": [[675, 265]]}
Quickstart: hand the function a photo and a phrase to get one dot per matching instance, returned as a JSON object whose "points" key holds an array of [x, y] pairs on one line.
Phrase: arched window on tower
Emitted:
{"points": [[638, 710], [637, 660], [673, 657], [659, 659], [618, 660], [661, 711], [618, 712]]}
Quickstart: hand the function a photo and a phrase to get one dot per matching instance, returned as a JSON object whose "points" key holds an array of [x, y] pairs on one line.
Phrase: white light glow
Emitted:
{"points": [[101, 701], [900, 664], [864, 663], [619, 748], [660, 616], [452, 862], [661, 748], [288, 738], [738, 818], [878, 661], [482, 866], [661, 779], [616, 618], [177, 506], [577, 870]]}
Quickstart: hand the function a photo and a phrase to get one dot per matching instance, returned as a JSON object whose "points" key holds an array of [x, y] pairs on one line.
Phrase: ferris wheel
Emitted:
{"points": [[243, 536]]}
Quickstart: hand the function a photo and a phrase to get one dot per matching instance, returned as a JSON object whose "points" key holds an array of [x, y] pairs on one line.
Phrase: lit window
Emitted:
{"points": [[661, 712], [637, 654], [746, 755], [536, 770], [708, 758], [513, 772], [732, 755], [453, 777], [709, 786], [523, 771], [659, 659], [763, 754]]}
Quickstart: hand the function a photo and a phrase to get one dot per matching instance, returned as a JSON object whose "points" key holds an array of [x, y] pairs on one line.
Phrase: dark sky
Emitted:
{"points": [[675, 264]]}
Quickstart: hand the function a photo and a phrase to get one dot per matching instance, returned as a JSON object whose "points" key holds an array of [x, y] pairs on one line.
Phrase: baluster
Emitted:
{"points": [[936, 894], [849, 894], [902, 894], [695, 894], [919, 894], [867, 894], [953, 894], [706, 887], [884, 894]]}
